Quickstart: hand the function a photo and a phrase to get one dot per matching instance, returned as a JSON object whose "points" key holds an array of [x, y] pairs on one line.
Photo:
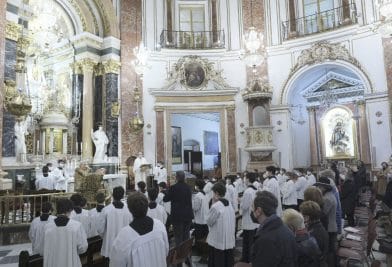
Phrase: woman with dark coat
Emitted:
{"points": [[348, 198]]}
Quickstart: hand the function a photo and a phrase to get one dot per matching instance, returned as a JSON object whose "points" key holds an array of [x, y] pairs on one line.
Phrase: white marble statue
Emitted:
{"points": [[101, 142], [140, 173], [20, 140]]}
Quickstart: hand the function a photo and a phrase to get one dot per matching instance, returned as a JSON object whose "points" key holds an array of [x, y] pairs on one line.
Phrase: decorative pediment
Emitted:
{"points": [[340, 85], [192, 74]]}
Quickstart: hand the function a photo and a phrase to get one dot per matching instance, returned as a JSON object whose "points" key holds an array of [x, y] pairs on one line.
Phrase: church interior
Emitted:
{"points": [[103, 94]]}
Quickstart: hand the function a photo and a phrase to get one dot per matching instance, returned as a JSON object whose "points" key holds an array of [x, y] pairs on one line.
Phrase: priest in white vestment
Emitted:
{"points": [[140, 173], [144, 242], [112, 219], [37, 228], [64, 239]]}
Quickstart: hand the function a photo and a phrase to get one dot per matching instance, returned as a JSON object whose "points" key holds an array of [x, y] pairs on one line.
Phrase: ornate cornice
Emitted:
{"points": [[12, 30], [112, 66], [321, 52], [76, 67]]}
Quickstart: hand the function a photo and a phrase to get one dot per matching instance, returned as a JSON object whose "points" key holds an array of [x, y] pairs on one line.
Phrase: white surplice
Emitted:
{"points": [[140, 175], [221, 225], [84, 219], [271, 185], [158, 213], [208, 190], [301, 185], [37, 232], [94, 215], [166, 205], [246, 209], [133, 250], [200, 207], [47, 182], [232, 196], [109, 224], [60, 177], [311, 179], [289, 193], [63, 244]]}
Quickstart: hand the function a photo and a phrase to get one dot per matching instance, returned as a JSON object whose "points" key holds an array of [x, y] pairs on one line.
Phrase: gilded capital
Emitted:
{"points": [[12, 30], [87, 65], [99, 69], [76, 68], [112, 66]]}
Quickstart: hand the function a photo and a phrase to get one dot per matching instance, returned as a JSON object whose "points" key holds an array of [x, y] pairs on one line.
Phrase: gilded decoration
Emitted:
{"points": [[195, 73], [76, 68], [321, 52], [112, 66], [16, 103], [257, 90], [12, 30], [88, 65]]}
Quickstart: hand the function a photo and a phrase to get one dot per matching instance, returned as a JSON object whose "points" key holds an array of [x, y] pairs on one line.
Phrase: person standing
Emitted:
{"points": [[271, 185], [46, 181], [142, 243], [300, 185], [112, 219], [138, 170], [160, 174], [180, 196], [310, 177], [274, 243], [64, 239], [348, 197], [37, 228], [289, 192], [60, 176], [248, 226], [221, 224], [155, 210]]}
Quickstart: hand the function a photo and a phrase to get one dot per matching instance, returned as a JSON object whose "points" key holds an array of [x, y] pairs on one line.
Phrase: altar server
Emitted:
{"points": [[60, 176], [271, 184], [208, 188], [155, 211], [289, 192], [301, 184], [248, 227], [142, 243], [200, 210], [37, 228], [138, 170], [45, 181], [231, 192], [112, 218], [64, 238], [79, 214], [162, 189], [221, 223], [95, 212]]}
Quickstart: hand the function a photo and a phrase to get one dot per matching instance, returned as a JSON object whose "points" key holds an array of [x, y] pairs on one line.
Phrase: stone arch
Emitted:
{"points": [[324, 53]]}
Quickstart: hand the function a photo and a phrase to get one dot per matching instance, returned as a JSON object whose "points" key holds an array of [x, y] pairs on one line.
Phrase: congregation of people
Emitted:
{"points": [[287, 218]]}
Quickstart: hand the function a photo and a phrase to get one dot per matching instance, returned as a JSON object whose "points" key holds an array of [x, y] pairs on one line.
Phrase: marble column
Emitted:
{"points": [[8, 146], [231, 139], [131, 141], [314, 149], [363, 133], [77, 104], [160, 135], [88, 102], [112, 69], [3, 5], [99, 96]]}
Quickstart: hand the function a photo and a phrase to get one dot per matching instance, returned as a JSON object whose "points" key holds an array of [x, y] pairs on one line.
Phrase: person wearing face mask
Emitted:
{"points": [[248, 226], [311, 212], [231, 192], [274, 243], [282, 177], [239, 184], [310, 177], [160, 173], [60, 176]]}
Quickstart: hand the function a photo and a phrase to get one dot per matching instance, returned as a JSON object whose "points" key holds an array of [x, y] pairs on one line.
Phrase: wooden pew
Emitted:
{"points": [[91, 258]]}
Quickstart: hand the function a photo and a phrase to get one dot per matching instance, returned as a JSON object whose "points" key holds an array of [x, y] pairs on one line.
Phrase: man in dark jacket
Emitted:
{"points": [[180, 196], [274, 244], [348, 198]]}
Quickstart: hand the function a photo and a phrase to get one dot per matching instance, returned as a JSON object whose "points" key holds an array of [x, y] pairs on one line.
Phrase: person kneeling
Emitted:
{"points": [[221, 223]]}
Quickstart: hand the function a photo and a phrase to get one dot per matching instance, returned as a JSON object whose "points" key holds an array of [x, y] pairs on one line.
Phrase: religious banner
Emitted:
{"points": [[338, 133]]}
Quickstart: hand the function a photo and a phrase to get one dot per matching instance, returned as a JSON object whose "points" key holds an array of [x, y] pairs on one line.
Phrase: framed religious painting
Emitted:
{"points": [[339, 134], [176, 145], [194, 75], [211, 143]]}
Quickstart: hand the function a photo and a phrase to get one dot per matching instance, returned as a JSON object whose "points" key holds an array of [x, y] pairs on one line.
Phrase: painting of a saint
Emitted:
{"points": [[194, 75], [339, 139], [176, 145]]}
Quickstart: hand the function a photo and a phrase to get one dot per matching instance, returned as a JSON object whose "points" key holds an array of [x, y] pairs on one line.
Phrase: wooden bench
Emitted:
{"points": [[92, 257]]}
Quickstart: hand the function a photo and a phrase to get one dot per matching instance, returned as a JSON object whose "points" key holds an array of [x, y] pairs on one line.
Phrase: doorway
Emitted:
{"points": [[196, 142]]}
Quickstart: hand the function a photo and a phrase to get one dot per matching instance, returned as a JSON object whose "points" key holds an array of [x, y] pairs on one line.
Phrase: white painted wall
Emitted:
{"points": [[193, 128]]}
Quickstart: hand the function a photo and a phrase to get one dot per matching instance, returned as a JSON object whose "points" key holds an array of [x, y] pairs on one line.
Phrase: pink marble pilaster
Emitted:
{"points": [[3, 5], [130, 28]]}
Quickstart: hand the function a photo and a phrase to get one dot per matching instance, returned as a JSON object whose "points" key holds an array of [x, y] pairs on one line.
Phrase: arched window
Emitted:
{"points": [[260, 116]]}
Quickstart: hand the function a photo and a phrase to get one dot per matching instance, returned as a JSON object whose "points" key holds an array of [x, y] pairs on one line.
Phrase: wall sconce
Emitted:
{"points": [[137, 121]]}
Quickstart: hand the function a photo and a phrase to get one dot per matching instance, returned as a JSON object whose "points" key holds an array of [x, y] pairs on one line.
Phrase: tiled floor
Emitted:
{"points": [[9, 254]]}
